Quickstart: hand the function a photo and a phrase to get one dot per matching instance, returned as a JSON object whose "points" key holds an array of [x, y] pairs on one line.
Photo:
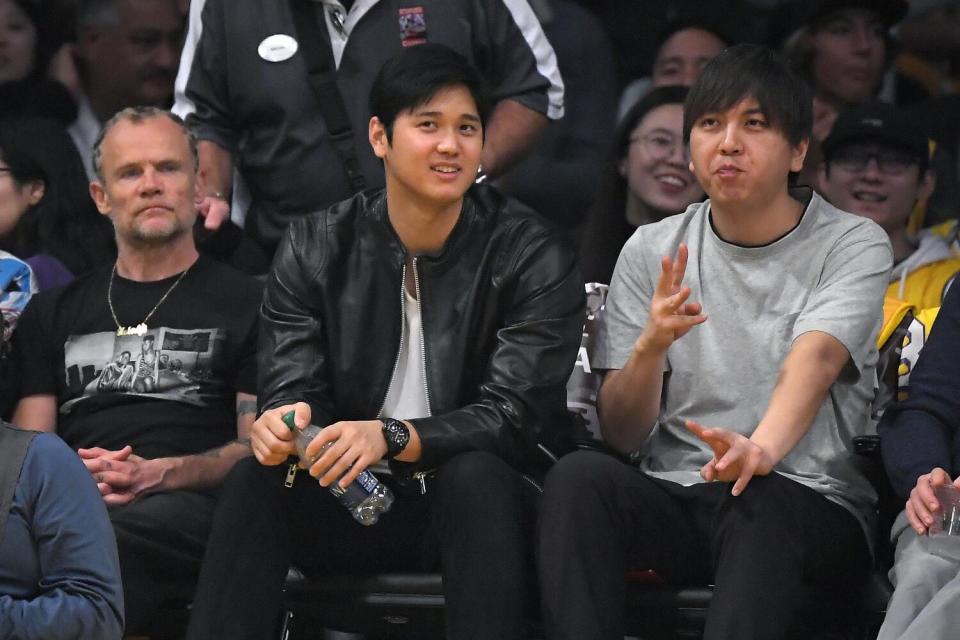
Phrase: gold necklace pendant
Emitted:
{"points": [[139, 330]]}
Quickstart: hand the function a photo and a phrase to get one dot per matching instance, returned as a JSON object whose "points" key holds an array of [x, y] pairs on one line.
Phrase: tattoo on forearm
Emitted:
{"points": [[246, 406]]}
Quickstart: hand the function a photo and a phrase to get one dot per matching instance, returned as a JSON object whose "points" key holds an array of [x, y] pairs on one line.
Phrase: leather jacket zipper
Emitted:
{"points": [[291, 475], [423, 338], [421, 476]]}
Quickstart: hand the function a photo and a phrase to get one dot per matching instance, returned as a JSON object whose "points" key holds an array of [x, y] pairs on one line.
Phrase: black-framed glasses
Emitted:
{"points": [[660, 145], [891, 162]]}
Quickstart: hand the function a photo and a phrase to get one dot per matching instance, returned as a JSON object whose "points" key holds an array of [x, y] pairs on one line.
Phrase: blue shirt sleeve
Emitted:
{"points": [[79, 592], [923, 431]]}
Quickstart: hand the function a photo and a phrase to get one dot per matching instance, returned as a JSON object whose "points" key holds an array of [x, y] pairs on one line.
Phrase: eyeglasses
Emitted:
{"points": [[889, 161], [660, 146]]}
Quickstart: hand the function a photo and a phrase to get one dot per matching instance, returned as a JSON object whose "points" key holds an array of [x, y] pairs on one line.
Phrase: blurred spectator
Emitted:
{"points": [[126, 54], [921, 452], [843, 49], [24, 57], [47, 217], [647, 179], [876, 166], [249, 97], [17, 286], [636, 28], [684, 50], [931, 58], [59, 574], [931, 39], [559, 177]]}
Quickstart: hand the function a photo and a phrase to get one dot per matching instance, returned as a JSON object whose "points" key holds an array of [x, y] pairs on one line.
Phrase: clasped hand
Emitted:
{"points": [[671, 316], [736, 458], [923, 503], [120, 475], [354, 445]]}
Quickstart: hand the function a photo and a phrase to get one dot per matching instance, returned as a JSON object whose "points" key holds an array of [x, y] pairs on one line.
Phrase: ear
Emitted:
{"points": [[100, 197], [377, 134], [799, 155], [35, 191], [623, 166]]}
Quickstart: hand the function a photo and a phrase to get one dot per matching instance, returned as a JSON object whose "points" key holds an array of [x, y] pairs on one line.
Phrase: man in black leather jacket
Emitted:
{"points": [[433, 324]]}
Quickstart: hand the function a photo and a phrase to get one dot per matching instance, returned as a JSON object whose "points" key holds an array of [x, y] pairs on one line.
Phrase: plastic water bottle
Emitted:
{"points": [[365, 498]]}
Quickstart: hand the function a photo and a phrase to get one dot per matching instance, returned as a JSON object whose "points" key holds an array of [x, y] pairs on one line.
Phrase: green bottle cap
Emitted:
{"points": [[288, 420]]}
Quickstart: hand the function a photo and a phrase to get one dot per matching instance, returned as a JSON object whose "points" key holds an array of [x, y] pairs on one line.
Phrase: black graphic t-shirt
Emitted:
{"points": [[171, 391]]}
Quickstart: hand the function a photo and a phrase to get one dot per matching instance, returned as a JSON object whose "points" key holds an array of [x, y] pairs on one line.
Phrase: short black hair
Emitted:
{"points": [[752, 71], [417, 74], [674, 27]]}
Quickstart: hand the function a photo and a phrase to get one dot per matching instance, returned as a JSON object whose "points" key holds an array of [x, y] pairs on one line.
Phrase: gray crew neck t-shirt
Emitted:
{"points": [[827, 274]]}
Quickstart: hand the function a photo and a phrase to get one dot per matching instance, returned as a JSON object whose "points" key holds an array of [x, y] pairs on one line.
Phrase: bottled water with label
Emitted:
{"points": [[365, 498]]}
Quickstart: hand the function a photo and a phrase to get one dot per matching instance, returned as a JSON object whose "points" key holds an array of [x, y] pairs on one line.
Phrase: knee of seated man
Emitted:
{"points": [[474, 471], [579, 472]]}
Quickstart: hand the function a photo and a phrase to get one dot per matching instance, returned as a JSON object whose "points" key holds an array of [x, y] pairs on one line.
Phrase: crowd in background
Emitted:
{"points": [[77, 63]]}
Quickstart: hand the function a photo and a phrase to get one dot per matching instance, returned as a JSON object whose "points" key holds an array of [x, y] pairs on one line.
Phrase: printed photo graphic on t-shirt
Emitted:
{"points": [[171, 364]]}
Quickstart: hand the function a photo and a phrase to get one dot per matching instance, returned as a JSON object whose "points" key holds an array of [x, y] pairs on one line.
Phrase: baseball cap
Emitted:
{"points": [[877, 122]]}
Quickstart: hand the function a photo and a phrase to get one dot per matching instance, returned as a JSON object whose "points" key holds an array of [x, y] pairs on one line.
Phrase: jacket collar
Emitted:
{"points": [[472, 219]]}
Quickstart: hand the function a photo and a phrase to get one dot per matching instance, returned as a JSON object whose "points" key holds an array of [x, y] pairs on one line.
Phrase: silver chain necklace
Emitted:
{"points": [[141, 328]]}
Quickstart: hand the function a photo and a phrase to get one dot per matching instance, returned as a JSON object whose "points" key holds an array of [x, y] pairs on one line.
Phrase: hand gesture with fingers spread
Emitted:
{"points": [[736, 458], [671, 316]]}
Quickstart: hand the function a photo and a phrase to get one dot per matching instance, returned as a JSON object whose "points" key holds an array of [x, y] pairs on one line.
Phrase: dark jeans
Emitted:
{"points": [[762, 550], [475, 523], [160, 540]]}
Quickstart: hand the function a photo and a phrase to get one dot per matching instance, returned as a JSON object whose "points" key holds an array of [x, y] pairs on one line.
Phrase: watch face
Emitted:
{"points": [[396, 435]]}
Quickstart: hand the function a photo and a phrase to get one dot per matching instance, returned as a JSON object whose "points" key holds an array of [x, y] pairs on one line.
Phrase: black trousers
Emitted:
{"points": [[160, 540], [475, 524], [762, 550]]}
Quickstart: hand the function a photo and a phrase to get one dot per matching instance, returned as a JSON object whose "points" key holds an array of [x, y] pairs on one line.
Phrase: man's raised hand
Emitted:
{"points": [[671, 316]]}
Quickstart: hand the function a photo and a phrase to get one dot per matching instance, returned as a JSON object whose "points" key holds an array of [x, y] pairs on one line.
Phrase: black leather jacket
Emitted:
{"points": [[502, 315]]}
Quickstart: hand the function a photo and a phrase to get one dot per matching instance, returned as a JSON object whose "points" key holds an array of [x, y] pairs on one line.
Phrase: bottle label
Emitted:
{"points": [[358, 490]]}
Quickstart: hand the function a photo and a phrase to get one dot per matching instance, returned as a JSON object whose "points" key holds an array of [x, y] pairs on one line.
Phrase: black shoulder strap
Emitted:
{"points": [[322, 74], [13, 449]]}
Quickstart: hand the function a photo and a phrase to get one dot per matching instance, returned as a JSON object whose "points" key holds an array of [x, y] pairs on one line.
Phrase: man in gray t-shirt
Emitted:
{"points": [[739, 343]]}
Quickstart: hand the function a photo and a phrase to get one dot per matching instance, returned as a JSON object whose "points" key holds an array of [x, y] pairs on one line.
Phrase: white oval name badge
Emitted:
{"points": [[277, 48]]}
